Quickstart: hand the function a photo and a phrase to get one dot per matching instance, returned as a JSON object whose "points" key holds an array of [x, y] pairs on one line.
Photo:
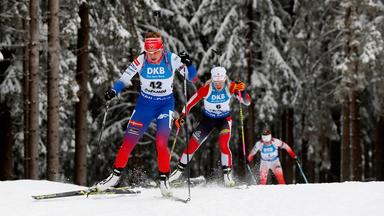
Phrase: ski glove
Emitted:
{"points": [[185, 59], [109, 94], [237, 86], [180, 121], [250, 158]]}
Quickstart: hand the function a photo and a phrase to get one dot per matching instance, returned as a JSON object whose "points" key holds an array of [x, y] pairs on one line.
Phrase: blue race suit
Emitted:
{"points": [[155, 101]]}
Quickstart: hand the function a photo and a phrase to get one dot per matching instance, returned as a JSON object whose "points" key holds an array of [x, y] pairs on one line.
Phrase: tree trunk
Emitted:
{"points": [[131, 24], [53, 91], [289, 165], [335, 148], [250, 120], [349, 77], [26, 104], [346, 166], [345, 147], [379, 149], [34, 46], [7, 141], [81, 133], [283, 158], [134, 50], [324, 156], [356, 148], [356, 145], [304, 150]]}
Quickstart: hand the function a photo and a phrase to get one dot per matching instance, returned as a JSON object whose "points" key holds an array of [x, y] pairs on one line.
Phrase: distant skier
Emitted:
{"points": [[156, 68], [268, 147], [216, 94]]}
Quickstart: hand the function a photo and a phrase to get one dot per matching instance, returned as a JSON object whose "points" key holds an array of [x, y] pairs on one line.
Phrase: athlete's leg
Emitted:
{"points": [[224, 137], [278, 172], [202, 131], [200, 134], [140, 119], [264, 168], [224, 126], [164, 124]]}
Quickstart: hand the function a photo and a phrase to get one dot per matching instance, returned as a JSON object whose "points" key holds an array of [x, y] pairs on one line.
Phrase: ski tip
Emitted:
{"points": [[40, 197], [241, 186], [174, 198], [133, 192], [188, 200], [123, 190]]}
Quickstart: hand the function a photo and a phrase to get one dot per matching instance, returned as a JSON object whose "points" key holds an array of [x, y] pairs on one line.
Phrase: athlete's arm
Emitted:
{"points": [[190, 70], [132, 69], [254, 150], [200, 94]]}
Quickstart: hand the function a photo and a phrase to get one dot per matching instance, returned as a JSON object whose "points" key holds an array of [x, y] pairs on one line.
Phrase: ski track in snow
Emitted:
{"points": [[350, 199]]}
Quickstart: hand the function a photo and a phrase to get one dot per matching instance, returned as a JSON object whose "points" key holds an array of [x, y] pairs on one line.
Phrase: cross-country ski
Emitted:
{"points": [[87, 192]]}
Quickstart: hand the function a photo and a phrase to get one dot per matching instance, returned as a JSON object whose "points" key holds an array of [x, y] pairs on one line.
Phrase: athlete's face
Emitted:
{"points": [[266, 138], [154, 55], [219, 85]]}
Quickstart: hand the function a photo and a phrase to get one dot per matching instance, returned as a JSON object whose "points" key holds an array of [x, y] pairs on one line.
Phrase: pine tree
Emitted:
{"points": [[81, 135], [34, 46], [53, 91]]}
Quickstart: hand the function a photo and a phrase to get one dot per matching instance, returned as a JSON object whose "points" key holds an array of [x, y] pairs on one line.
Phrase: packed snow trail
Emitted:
{"points": [[351, 198]]}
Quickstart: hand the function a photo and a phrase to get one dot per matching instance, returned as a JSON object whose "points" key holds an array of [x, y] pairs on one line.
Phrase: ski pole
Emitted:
{"points": [[187, 134], [186, 129], [242, 127], [174, 143], [301, 171], [103, 125], [243, 139], [252, 175]]}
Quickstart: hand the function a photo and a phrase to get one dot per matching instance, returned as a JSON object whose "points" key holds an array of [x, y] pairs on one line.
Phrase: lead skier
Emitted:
{"points": [[156, 68]]}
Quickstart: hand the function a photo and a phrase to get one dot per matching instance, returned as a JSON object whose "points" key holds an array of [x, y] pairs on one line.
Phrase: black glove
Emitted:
{"points": [[185, 59], [109, 94]]}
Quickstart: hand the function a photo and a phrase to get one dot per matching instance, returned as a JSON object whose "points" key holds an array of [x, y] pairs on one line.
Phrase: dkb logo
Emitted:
{"points": [[156, 70], [218, 97]]}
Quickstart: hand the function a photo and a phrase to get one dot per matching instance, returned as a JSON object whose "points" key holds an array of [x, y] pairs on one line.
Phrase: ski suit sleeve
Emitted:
{"points": [[190, 70], [254, 150], [285, 146], [132, 69], [200, 94]]}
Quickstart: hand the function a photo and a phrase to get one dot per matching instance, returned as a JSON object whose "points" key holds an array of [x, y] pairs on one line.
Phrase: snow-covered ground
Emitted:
{"points": [[350, 199]]}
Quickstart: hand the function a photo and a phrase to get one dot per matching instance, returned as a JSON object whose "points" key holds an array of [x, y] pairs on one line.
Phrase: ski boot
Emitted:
{"points": [[164, 186], [228, 180], [111, 181], [177, 173]]}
